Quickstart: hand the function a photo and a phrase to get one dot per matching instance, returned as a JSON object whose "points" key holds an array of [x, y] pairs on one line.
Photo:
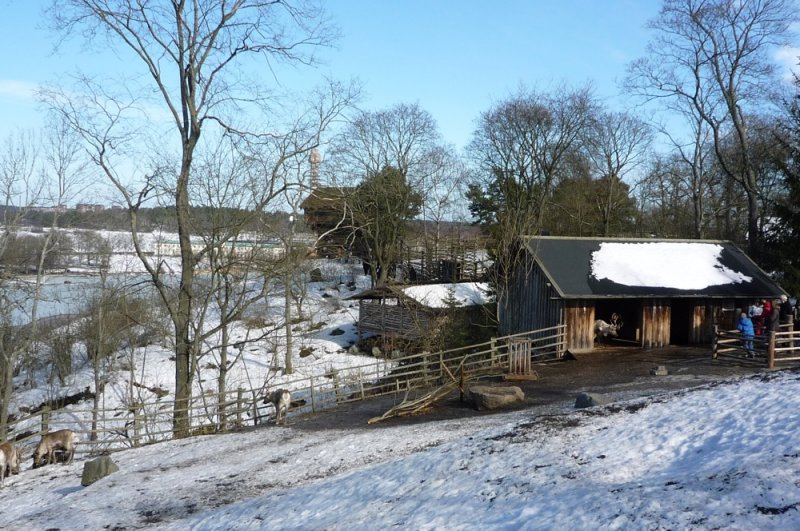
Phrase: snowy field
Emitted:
{"points": [[721, 457]]}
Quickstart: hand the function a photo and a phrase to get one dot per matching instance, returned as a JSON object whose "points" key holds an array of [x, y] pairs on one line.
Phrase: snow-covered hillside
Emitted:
{"points": [[720, 457]]}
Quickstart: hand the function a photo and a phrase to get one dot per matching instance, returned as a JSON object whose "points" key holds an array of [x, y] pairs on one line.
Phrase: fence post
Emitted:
{"points": [[311, 393], [771, 351], [239, 399], [135, 410], [715, 344], [336, 390], [493, 351], [45, 419]]}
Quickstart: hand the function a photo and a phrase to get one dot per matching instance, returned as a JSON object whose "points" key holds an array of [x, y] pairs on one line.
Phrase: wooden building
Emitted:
{"points": [[326, 213], [410, 312], [666, 291]]}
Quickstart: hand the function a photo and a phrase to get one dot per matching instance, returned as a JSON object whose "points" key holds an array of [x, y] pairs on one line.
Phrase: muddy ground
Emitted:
{"points": [[614, 373]]}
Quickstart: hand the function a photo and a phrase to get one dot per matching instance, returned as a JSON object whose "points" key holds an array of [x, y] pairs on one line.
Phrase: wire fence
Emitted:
{"points": [[103, 430]]}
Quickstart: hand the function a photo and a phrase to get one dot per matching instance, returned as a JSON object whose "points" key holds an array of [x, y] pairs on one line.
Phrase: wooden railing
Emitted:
{"points": [[146, 422], [770, 348]]}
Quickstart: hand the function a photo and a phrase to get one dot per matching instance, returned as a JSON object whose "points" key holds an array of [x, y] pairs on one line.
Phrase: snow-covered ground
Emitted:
{"points": [[720, 457], [725, 456]]}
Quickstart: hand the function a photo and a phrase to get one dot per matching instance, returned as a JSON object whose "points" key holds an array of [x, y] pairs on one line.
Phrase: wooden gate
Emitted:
{"points": [[519, 358]]}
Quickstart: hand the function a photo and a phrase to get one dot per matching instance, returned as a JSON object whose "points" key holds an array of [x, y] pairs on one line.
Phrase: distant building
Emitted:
{"points": [[264, 249], [89, 207]]}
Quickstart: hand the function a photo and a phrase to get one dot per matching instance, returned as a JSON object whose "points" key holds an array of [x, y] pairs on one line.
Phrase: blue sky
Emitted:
{"points": [[453, 58]]}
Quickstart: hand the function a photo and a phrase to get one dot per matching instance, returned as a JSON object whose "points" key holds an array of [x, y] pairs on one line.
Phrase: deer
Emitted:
{"points": [[604, 329], [281, 399], [45, 452], [11, 458]]}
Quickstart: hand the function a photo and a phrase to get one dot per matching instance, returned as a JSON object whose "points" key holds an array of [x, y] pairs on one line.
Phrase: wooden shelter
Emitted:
{"points": [[325, 212], [411, 312], [666, 291]]}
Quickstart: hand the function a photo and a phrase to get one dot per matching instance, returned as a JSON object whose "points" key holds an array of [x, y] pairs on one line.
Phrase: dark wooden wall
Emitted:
{"points": [[529, 303]]}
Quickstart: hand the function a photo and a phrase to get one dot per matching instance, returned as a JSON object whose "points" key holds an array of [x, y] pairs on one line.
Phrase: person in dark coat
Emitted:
{"points": [[774, 317], [787, 311], [745, 326]]}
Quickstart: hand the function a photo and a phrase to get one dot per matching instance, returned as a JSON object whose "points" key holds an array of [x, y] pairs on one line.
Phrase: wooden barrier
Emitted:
{"points": [[782, 346], [145, 422]]}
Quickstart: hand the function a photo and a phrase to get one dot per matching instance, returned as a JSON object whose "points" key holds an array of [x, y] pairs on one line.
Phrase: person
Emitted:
{"points": [[756, 314], [745, 327], [773, 319], [787, 311]]}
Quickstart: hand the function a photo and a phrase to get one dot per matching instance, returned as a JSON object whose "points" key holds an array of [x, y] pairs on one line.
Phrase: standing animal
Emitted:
{"points": [[12, 458], [45, 452], [603, 329], [2, 468], [281, 399]]}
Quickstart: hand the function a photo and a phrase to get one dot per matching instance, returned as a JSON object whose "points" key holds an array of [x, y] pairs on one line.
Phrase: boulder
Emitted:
{"points": [[659, 370], [97, 469], [494, 397], [590, 400]]}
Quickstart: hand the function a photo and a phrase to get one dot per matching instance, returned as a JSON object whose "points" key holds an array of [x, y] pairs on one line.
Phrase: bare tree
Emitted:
{"points": [[616, 145], [521, 148], [195, 56], [404, 137], [712, 54]]}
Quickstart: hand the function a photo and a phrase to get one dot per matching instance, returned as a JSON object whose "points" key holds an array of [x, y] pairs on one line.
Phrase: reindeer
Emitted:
{"points": [[281, 399], [603, 329], [11, 458], [45, 452]]}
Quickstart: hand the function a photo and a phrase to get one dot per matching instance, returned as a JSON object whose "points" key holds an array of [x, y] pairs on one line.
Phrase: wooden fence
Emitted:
{"points": [[770, 348], [141, 423]]}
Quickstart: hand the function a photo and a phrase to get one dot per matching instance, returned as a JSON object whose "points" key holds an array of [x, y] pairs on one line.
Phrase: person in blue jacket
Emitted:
{"points": [[745, 326]]}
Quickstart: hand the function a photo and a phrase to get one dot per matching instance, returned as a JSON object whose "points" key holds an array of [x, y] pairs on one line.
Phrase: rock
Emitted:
{"points": [[490, 397], [315, 275], [661, 370], [589, 400], [97, 469], [376, 351]]}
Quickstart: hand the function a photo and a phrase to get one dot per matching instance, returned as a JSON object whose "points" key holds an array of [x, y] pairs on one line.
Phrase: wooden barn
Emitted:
{"points": [[325, 212], [666, 291], [410, 312]]}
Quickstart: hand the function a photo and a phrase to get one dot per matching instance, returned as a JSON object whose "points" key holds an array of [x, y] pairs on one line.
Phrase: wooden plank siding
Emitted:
{"points": [[399, 321], [579, 318], [654, 330], [529, 303]]}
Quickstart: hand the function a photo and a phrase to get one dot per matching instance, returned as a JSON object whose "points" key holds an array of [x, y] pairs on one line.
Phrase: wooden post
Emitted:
{"points": [[311, 393], [771, 351], [136, 409], [715, 345], [45, 419], [239, 400], [493, 351], [336, 387]]}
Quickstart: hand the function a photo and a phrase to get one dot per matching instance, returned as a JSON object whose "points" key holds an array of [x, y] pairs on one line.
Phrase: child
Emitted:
{"points": [[745, 326]]}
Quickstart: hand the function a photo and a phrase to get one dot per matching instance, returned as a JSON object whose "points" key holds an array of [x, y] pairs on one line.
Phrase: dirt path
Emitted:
{"points": [[617, 374]]}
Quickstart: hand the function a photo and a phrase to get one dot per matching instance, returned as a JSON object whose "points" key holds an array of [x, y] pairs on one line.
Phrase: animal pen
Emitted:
{"points": [[770, 348], [430, 375]]}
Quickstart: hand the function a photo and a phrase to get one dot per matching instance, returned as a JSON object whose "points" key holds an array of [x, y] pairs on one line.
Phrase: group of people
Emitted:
{"points": [[764, 317]]}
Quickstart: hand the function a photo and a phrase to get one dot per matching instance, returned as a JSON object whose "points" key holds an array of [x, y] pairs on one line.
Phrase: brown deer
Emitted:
{"points": [[11, 457], [45, 452]]}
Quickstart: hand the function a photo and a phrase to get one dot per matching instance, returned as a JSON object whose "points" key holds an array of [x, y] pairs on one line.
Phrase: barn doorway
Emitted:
{"points": [[680, 326], [630, 312]]}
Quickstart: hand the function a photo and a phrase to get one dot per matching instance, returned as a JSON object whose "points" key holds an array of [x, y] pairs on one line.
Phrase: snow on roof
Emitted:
{"points": [[443, 295], [679, 265]]}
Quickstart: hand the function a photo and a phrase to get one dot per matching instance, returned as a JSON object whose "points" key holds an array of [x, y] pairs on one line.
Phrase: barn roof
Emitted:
{"points": [[618, 268]]}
